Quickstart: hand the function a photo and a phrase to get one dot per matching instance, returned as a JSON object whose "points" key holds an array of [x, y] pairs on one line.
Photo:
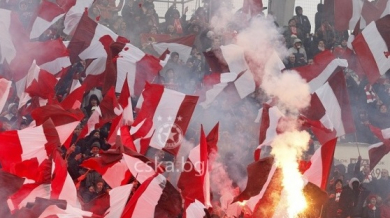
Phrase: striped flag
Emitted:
{"points": [[372, 48]]}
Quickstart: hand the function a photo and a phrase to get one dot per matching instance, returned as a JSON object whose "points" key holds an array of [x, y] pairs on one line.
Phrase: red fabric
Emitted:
{"points": [[57, 114], [74, 99]]}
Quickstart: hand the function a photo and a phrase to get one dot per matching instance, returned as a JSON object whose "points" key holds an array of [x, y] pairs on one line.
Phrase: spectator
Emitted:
{"points": [[383, 184], [291, 63], [302, 21], [291, 32], [326, 34], [319, 48], [385, 209], [92, 105], [89, 194], [371, 210], [351, 199], [332, 205], [319, 16], [299, 52], [367, 180], [173, 18]]}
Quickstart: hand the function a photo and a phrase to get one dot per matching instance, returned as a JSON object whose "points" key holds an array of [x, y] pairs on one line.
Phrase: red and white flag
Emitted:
{"points": [[91, 41], [377, 151], [262, 191], [330, 105], [111, 166], [137, 68], [37, 82], [28, 193], [118, 199], [269, 117], [73, 16], [167, 113], [48, 13], [348, 12], [156, 197], [320, 164], [182, 46], [34, 142], [74, 99], [228, 58], [195, 184], [62, 185], [140, 168], [372, 48], [325, 65]]}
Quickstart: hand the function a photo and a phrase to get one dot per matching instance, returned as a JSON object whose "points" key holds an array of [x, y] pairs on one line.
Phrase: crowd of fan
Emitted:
{"points": [[135, 19]]}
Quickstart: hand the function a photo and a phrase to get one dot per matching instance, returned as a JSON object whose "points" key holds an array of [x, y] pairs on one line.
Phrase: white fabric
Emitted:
{"points": [[32, 141], [40, 25], [326, 73], [147, 202], [118, 200], [7, 48]]}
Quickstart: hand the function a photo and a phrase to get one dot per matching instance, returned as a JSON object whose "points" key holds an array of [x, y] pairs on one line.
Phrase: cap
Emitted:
{"points": [[95, 144], [297, 40]]}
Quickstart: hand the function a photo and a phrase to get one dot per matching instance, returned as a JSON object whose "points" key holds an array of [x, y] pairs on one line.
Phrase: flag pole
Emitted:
{"points": [[357, 146]]}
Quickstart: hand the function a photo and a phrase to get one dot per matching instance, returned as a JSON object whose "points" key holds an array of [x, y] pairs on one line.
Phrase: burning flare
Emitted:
{"points": [[287, 149]]}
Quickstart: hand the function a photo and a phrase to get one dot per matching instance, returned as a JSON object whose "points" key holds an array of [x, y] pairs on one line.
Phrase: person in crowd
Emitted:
{"points": [[385, 208], [383, 184], [303, 22], [351, 200], [365, 176], [371, 210], [93, 103], [299, 52], [326, 34], [73, 157], [319, 16], [107, 10], [319, 48], [381, 117], [172, 17], [89, 194], [332, 205], [292, 62], [292, 32], [170, 81]]}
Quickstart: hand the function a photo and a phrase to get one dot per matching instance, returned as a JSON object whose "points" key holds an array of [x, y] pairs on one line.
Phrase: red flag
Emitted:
{"points": [[195, 184], [372, 46], [74, 99]]}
